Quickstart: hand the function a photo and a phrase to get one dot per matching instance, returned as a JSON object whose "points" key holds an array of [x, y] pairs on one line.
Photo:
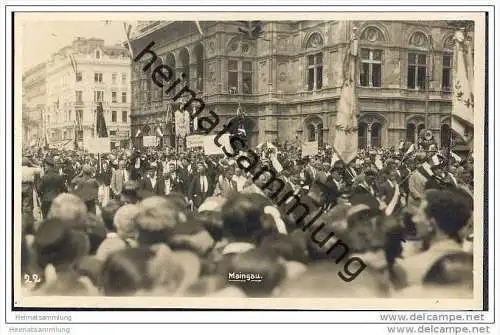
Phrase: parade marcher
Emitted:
{"points": [[104, 178], [118, 179], [173, 181], [51, 185], [151, 182], [225, 183], [201, 186], [87, 188], [30, 174]]}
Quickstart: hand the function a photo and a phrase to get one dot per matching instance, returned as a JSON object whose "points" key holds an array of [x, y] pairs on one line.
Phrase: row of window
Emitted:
{"points": [[315, 133], [371, 70], [99, 77], [67, 135], [99, 96], [68, 116], [240, 73]]}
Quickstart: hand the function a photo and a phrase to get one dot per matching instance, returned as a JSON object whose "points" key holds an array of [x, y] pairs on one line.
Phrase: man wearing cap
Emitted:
{"points": [[51, 185]]}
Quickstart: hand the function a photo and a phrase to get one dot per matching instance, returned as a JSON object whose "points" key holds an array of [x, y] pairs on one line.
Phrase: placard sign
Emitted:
{"points": [[149, 141], [194, 141], [310, 148], [211, 147], [97, 145]]}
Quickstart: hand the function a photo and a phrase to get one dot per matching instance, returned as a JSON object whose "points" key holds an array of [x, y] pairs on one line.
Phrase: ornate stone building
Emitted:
{"points": [[103, 76], [34, 103], [288, 82]]}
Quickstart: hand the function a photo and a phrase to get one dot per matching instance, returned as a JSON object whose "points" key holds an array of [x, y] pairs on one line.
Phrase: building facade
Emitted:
{"points": [[289, 81], [34, 102], [102, 76]]}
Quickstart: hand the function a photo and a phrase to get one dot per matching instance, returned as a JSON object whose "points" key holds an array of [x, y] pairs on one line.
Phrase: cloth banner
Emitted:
{"points": [[462, 121], [346, 128]]}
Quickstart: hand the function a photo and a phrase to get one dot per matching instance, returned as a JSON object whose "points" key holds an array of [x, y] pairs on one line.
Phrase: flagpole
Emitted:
{"points": [[428, 82]]}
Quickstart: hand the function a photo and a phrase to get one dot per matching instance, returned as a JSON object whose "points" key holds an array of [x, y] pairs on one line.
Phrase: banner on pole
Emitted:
{"points": [[309, 148], [97, 145], [149, 141]]}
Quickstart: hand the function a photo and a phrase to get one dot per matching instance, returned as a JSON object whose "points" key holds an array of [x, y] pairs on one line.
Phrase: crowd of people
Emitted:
{"points": [[154, 222]]}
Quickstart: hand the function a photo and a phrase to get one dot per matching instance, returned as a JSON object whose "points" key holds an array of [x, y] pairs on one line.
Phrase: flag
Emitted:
{"points": [[101, 129], [410, 150], [139, 132], [335, 158], [74, 65], [195, 120], [456, 157], [401, 145], [462, 114], [75, 143], [128, 30], [199, 27], [159, 132], [378, 162], [346, 135]]}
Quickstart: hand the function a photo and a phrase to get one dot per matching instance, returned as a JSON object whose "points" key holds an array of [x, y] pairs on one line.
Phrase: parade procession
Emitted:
{"points": [[252, 159]]}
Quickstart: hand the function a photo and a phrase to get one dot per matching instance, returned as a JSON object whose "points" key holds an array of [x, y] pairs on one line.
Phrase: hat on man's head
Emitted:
{"points": [[366, 199], [49, 161], [224, 163], [57, 244], [87, 169], [158, 214], [130, 192]]}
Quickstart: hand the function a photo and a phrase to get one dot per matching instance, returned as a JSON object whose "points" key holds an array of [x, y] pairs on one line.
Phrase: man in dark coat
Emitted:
{"points": [[51, 185], [87, 188], [201, 186], [152, 183]]}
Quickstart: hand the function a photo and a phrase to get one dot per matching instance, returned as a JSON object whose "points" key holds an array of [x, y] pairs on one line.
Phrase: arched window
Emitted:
{"points": [[445, 135], [311, 133], [362, 135], [198, 54], [184, 63], [376, 135], [170, 62], [410, 132], [417, 61], [320, 134], [420, 127], [314, 62]]}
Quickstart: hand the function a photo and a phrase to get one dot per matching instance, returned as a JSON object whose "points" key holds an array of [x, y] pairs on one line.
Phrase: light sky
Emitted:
{"points": [[42, 38]]}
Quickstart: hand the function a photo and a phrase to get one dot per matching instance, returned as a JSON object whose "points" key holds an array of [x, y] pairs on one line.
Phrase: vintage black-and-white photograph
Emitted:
{"points": [[249, 159]]}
